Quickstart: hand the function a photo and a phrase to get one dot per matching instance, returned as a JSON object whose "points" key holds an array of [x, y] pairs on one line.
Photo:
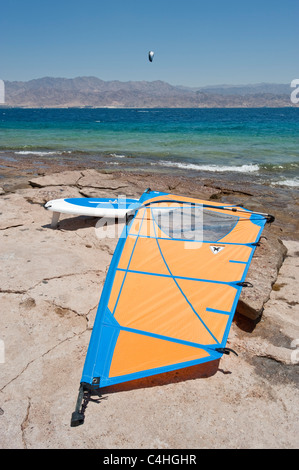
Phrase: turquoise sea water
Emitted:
{"points": [[256, 143]]}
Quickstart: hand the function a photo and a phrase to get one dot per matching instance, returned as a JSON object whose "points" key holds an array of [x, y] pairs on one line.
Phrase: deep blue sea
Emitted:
{"points": [[262, 144]]}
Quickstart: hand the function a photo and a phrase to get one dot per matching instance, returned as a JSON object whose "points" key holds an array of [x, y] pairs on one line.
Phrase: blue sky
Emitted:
{"points": [[196, 42]]}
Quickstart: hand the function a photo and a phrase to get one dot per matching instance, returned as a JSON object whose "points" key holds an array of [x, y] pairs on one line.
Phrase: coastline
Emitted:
{"points": [[50, 289], [282, 201]]}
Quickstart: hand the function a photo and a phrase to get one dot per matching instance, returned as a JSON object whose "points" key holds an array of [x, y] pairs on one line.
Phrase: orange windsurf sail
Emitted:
{"points": [[171, 290]]}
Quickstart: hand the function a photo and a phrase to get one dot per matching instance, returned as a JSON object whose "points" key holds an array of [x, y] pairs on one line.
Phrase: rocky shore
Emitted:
{"points": [[51, 282]]}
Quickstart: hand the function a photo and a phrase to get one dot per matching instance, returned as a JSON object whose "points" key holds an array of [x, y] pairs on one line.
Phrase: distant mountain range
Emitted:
{"points": [[51, 92]]}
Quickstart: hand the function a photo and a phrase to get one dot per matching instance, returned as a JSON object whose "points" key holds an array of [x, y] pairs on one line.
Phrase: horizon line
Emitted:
{"points": [[152, 81]]}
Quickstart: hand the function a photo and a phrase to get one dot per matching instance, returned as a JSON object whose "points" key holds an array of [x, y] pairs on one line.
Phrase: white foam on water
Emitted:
{"points": [[251, 168], [37, 153], [292, 182], [115, 155]]}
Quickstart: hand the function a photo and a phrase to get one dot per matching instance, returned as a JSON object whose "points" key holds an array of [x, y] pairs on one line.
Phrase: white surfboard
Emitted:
{"points": [[116, 208]]}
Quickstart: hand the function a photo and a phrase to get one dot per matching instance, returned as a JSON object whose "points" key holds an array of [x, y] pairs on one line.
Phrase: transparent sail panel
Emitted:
{"points": [[217, 225], [193, 223]]}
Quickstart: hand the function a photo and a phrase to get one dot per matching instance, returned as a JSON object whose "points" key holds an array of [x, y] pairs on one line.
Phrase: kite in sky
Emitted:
{"points": [[151, 56]]}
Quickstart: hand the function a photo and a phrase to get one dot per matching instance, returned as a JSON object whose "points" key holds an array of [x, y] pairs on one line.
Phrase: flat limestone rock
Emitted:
{"points": [[47, 193], [38, 325], [79, 293], [283, 306], [262, 273], [33, 254], [65, 178], [15, 211], [94, 179], [51, 281], [126, 192]]}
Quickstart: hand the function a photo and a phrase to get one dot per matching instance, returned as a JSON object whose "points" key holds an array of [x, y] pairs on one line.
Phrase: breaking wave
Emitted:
{"points": [[292, 182], [251, 168]]}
